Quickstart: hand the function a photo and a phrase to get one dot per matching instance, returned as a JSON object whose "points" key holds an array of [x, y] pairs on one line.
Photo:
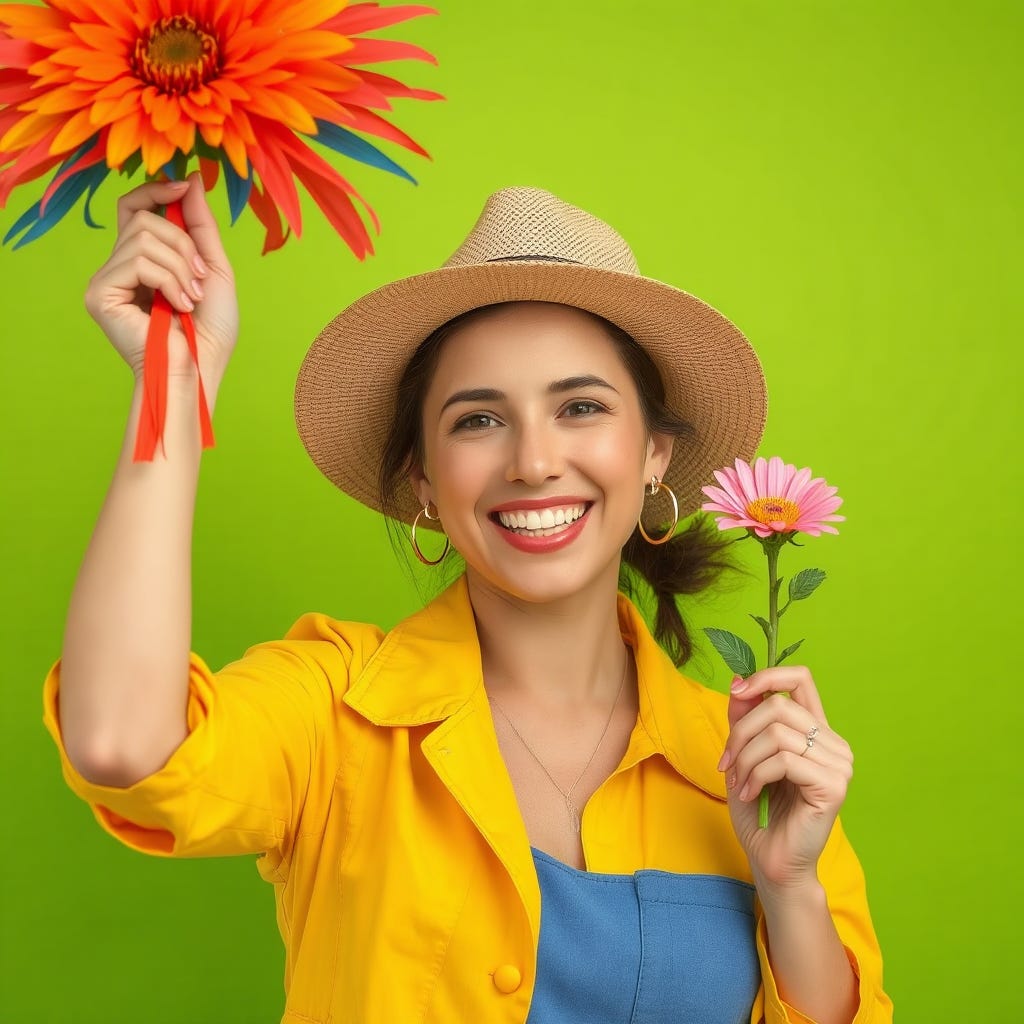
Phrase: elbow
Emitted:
{"points": [[116, 767]]}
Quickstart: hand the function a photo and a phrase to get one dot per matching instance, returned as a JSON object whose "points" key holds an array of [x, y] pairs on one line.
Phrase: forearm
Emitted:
{"points": [[810, 966], [124, 672]]}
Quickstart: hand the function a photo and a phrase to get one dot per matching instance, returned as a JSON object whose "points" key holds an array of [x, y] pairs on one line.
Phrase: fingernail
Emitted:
{"points": [[177, 184], [725, 760], [739, 684], [187, 302], [201, 267], [745, 792], [197, 289]]}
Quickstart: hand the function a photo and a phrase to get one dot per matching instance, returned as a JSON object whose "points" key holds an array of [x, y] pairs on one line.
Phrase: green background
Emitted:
{"points": [[842, 180]]}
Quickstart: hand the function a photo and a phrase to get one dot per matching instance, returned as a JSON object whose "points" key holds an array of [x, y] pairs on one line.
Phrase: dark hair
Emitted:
{"points": [[690, 562]]}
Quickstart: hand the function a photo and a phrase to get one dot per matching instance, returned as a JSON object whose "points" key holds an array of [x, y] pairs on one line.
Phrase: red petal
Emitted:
{"points": [[210, 170], [31, 163], [393, 87], [263, 206], [275, 173], [373, 51], [366, 17], [374, 124], [20, 53]]}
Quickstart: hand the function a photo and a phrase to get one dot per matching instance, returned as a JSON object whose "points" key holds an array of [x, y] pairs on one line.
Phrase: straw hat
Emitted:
{"points": [[529, 245]]}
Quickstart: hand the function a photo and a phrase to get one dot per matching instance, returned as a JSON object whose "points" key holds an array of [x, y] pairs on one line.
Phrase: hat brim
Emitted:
{"points": [[346, 388]]}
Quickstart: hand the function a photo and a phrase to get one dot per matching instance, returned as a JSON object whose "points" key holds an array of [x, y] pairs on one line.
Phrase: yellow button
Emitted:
{"points": [[507, 978]]}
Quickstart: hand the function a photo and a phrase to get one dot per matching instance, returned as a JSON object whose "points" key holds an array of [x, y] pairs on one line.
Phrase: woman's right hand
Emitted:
{"points": [[189, 267]]}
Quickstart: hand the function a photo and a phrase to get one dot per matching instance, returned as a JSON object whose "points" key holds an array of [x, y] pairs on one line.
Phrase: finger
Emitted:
{"points": [[149, 244], [779, 738], [759, 714], [150, 196], [129, 274], [820, 784], [202, 226], [739, 705], [151, 226], [796, 680]]}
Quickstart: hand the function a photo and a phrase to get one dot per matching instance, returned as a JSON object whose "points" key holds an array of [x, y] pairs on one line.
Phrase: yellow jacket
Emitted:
{"points": [[365, 769]]}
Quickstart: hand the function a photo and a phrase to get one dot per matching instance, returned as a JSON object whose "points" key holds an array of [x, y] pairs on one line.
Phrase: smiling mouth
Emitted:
{"points": [[542, 522]]}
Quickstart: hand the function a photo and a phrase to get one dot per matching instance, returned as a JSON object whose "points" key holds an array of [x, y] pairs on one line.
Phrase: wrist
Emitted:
{"points": [[805, 894]]}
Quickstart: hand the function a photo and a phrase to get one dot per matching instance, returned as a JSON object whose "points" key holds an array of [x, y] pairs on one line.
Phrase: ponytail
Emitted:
{"points": [[693, 560]]}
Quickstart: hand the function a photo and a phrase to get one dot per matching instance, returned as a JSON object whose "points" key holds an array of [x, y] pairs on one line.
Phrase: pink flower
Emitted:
{"points": [[773, 497]]}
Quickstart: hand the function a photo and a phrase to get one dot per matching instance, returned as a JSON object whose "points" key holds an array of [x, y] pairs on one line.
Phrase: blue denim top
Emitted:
{"points": [[648, 948]]}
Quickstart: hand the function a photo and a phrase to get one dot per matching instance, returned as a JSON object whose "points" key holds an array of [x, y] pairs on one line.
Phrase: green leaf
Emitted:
{"points": [[805, 583], [787, 652], [735, 651], [765, 625]]}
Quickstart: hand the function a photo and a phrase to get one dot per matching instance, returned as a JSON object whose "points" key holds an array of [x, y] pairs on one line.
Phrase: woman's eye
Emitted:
{"points": [[477, 421], [583, 408]]}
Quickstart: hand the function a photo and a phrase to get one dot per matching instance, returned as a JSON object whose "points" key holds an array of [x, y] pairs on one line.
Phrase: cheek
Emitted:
{"points": [[459, 474]]}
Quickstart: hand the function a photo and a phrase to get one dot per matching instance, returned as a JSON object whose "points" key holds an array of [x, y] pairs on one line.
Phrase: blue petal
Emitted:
{"points": [[348, 144], [60, 203], [238, 189], [93, 186], [28, 217]]}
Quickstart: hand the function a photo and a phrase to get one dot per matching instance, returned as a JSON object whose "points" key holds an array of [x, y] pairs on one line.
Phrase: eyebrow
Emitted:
{"points": [[556, 387]]}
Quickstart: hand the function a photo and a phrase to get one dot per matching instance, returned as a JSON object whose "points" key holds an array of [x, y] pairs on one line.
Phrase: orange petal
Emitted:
{"points": [[236, 151], [101, 37], [107, 111], [157, 150], [278, 106], [29, 19], [59, 101], [76, 130], [124, 139], [117, 88], [31, 128], [201, 115], [213, 134], [166, 112], [312, 45]]}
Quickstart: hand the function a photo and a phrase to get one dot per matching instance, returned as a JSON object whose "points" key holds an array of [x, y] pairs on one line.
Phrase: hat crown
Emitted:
{"points": [[531, 224]]}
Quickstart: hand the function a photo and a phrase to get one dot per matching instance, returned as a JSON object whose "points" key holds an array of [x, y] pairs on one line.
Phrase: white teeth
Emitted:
{"points": [[543, 520]]}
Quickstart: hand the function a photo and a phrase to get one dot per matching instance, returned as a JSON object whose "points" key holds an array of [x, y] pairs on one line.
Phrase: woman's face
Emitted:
{"points": [[535, 450]]}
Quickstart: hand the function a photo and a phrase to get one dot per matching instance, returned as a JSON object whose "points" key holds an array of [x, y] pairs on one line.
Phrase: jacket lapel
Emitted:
{"points": [[427, 669]]}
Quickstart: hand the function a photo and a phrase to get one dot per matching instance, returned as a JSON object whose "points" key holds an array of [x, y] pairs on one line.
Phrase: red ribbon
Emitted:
{"points": [[154, 370]]}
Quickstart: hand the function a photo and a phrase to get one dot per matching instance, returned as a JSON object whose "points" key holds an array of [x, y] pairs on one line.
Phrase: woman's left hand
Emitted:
{"points": [[784, 742]]}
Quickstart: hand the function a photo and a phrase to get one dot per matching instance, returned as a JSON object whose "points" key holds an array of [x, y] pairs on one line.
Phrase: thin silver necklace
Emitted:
{"points": [[573, 810]]}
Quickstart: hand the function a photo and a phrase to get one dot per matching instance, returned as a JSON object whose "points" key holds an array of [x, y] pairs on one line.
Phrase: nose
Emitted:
{"points": [[536, 454]]}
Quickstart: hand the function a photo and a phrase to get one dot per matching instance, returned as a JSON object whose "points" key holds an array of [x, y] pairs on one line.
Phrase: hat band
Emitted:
{"points": [[547, 259]]}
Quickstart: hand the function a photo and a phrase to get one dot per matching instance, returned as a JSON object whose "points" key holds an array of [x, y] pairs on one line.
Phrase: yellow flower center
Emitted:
{"points": [[774, 510], [176, 54]]}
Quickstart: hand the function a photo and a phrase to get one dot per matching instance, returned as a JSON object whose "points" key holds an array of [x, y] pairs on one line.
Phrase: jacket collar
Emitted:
{"points": [[428, 667]]}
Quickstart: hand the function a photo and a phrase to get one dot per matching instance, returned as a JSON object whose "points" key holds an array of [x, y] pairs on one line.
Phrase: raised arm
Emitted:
{"points": [[124, 673]]}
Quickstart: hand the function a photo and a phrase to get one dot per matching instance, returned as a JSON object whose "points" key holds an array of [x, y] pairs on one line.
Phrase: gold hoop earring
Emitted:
{"points": [[425, 511], [655, 486]]}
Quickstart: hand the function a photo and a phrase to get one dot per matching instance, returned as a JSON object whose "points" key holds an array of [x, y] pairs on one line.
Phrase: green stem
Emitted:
{"points": [[771, 550]]}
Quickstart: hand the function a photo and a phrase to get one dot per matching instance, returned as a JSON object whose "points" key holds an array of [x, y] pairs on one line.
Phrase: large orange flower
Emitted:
{"points": [[90, 86]]}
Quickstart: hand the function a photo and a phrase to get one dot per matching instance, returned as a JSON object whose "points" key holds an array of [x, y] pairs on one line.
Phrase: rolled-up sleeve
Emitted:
{"points": [[258, 731], [843, 880]]}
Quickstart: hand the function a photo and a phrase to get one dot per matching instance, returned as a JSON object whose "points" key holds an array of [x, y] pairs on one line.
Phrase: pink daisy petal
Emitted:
{"points": [[730, 482], [748, 488], [771, 497], [798, 485]]}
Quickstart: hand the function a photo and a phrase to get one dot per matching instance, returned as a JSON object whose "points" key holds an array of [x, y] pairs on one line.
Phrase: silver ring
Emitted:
{"points": [[810, 740]]}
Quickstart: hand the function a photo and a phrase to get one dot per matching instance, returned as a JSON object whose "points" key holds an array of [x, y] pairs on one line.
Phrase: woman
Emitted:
{"points": [[510, 807]]}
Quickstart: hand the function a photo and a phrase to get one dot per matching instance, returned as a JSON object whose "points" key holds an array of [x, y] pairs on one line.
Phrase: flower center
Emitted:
{"points": [[176, 54], [774, 510]]}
